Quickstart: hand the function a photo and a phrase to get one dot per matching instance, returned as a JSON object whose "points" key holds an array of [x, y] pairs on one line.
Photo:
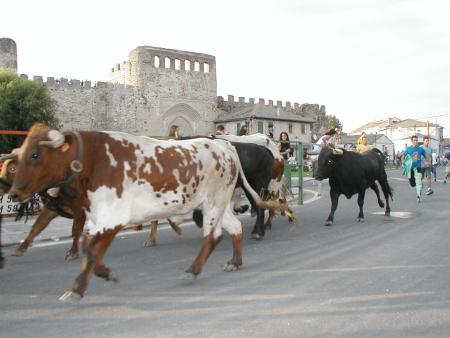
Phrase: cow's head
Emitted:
{"points": [[328, 158], [44, 160]]}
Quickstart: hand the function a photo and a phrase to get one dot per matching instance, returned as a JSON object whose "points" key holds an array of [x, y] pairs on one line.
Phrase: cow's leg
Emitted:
{"points": [[79, 218], [361, 195], [258, 231], [234, 227], [151, 241], [96, 249], [175, 226], [210, 241], [334, 203], [386, 192], [268, 224], [44, 218], [374, 187]]}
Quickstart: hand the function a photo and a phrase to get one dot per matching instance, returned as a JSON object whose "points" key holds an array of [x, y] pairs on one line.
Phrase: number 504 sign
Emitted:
{"points": [[9, 207]]}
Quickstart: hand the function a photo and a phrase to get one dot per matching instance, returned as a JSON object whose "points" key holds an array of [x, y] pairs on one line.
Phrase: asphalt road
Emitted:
{"points": [[386, 277]]}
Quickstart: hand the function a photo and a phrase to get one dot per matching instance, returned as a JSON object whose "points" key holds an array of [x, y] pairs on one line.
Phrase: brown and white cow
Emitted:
{"points": [[62, 204], [120, 179]]}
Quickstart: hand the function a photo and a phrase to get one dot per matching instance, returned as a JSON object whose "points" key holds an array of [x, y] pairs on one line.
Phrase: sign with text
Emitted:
{"points": [[9, 207]]}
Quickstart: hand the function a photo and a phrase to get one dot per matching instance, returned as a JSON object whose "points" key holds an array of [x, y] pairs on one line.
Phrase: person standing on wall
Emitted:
{"points": [[427, 164], [220, 130], [284, 146], [174, 132]]}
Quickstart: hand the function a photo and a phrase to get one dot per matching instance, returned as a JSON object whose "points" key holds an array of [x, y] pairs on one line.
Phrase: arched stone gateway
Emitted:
{"points": [[184, 116]]}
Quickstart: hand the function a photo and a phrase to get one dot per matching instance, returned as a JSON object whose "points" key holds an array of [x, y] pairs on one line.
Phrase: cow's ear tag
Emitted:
{"points": [[65, 147]]}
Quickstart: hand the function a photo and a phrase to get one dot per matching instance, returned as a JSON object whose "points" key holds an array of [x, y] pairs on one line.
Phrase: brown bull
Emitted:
{"points": [[120, 179]]}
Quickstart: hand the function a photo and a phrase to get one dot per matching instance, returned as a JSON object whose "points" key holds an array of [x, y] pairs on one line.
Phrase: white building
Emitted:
{"points": [[400, 132]]}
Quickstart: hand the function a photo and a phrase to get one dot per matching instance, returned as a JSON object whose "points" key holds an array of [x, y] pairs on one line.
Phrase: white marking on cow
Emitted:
{"points": [[112, 160]]}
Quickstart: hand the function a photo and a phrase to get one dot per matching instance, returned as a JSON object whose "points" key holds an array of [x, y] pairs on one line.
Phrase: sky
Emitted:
{"points": [[364, 60]]}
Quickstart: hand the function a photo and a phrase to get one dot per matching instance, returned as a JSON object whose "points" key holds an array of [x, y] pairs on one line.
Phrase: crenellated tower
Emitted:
{"points": [[8, 54]]}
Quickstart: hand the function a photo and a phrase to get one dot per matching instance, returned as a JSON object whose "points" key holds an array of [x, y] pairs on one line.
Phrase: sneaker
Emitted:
{"points": [[429, 192], [445, 181], [418, 199]]}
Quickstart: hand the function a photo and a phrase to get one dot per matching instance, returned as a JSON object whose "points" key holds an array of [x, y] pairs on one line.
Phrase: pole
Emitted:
{"points": [[300, 173]]}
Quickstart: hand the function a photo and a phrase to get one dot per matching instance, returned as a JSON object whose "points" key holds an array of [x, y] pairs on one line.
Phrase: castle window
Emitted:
{"points": [[290, 128], [196, 66], [156, 61], [206, 67], [187, 65], [166, 62], [177, 64], [303, 129]]}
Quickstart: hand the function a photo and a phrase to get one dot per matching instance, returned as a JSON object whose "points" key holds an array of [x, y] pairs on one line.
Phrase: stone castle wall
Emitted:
{"points": [[152, 90]]}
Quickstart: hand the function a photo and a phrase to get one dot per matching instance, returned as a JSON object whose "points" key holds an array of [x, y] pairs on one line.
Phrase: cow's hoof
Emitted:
{"points": [[70, 296], [230, 267], [149, 243], [360, 219], [71, 255], [387, 213], [190, 276], [328, 223], [17, 252], [258, 237], [112, 278]]}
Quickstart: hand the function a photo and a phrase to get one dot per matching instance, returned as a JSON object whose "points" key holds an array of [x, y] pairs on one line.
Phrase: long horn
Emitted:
{"points": [[5, 157], [56, 139], [338, 151]]}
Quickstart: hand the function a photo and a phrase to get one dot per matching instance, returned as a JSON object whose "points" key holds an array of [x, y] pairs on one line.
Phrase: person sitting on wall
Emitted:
{"points": [[364, 145]]}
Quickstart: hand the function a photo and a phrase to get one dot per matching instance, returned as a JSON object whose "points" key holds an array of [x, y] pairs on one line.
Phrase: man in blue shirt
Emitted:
{"points": [[427, 167], [416, 154]]}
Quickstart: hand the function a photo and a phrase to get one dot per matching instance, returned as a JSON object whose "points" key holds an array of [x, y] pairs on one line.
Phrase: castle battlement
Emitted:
{"points": [[168, 59], [242, 101], [64, 83]]}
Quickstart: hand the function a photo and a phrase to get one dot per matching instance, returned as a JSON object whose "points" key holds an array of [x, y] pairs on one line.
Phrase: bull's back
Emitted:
{"points": [[149, 179]]}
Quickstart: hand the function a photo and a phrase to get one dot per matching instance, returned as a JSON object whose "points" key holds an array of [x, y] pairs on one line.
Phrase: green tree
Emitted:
{"points": [[22, 103], [333, 122]]}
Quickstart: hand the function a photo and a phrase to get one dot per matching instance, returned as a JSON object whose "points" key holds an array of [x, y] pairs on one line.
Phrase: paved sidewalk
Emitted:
{"points": [[13, 233]]}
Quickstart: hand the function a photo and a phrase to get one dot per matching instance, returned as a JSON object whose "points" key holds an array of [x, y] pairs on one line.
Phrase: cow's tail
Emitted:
{"points": [[274, 205]]}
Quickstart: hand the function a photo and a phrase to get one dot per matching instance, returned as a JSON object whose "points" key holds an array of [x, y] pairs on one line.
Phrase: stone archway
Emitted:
{"points": [[184, 116], [185, 128]]}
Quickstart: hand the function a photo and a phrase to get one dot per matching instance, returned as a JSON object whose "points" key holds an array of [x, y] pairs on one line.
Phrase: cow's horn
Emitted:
{"points": [[337, 151], [56, 139], [5, 157]]}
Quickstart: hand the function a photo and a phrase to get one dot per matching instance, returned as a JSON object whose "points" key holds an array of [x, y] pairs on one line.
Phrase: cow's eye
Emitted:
{"points": [[35, 155]]}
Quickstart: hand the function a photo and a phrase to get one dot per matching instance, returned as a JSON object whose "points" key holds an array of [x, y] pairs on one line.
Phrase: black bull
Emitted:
{"points": [[257, 163], [352, 173]]}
